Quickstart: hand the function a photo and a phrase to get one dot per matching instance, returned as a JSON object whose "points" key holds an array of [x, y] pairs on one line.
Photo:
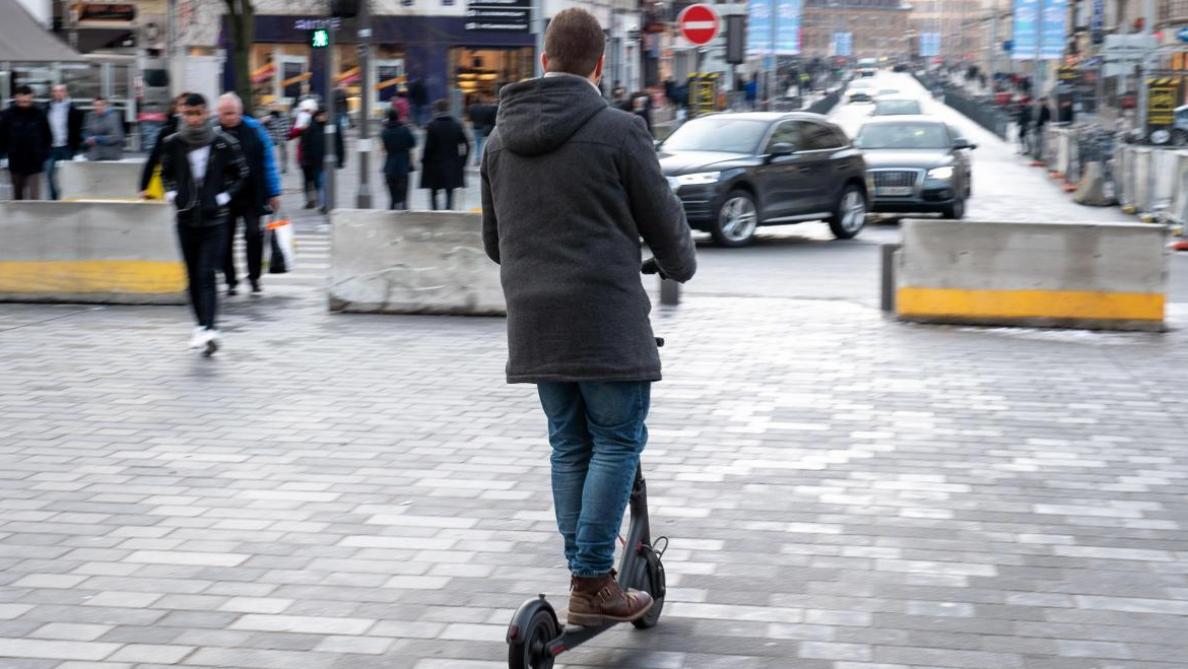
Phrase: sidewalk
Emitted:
{"points": [[357, 492]]}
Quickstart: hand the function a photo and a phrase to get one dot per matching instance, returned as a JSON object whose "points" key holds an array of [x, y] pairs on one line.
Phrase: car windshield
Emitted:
{"points": [[894, 107], [719, 133], [902, 136]]}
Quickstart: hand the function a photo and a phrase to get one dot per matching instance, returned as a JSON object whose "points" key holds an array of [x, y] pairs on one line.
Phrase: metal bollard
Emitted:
{"points": [[887, 270], [670, 292]]}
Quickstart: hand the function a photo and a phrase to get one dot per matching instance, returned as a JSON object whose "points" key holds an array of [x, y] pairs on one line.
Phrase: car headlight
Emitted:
{"points": [[695, 179], [941, 173]]}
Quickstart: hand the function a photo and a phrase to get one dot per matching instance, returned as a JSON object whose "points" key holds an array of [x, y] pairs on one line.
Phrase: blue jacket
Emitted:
{"points": [[264, 180], [272, 181]]}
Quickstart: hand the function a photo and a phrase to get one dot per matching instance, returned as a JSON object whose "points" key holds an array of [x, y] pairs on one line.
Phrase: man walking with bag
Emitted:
{"points": [[259, 195], [569, 187], [202, 169]]}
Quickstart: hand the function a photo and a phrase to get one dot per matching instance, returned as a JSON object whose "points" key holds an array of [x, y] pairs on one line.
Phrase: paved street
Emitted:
{"points": [[841, 491]]}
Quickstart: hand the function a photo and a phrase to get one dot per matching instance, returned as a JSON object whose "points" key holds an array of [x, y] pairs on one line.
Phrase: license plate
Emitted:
{"points": [[893, 191]]}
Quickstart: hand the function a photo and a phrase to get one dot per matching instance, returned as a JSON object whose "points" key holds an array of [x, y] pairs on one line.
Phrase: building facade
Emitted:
{"points": [[855, 28], [448, 46], [959, 24]]}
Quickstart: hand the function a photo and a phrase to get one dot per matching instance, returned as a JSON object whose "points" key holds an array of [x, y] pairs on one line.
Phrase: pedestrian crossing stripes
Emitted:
{"points": [[312, 264]]}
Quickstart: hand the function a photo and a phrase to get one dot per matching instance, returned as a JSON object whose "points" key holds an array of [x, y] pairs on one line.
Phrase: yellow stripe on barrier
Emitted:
{"points": [[1066, 304], [32, 277]]}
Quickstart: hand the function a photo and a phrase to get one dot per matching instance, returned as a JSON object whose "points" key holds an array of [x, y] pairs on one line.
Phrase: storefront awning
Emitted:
{"points": [[24, 40]]}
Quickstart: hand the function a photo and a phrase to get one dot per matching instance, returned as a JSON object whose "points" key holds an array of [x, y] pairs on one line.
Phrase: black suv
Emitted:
{"points": [[735, 172]]}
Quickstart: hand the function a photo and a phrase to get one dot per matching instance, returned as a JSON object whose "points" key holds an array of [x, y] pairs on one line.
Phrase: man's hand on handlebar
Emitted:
{"points": [[650, 266]]}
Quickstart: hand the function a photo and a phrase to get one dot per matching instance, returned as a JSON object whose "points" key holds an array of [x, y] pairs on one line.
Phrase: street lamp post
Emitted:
{"points": [[773, 66], [363, 199], [331, 162]]}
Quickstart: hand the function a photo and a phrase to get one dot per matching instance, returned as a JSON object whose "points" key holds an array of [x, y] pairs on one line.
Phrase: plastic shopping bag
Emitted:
{"points": [[156, 189], [281, 245]]}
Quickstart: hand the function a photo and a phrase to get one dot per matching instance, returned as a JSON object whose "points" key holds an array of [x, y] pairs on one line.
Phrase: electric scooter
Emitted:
{"points": [[535, 637]]}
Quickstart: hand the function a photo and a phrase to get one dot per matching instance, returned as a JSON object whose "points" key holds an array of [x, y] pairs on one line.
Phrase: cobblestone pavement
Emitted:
{"points": [[348, 492], [362, 492]]}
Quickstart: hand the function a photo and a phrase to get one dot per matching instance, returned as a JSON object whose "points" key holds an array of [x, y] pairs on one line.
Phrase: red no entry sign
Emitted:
{"points": [[699, 24]]}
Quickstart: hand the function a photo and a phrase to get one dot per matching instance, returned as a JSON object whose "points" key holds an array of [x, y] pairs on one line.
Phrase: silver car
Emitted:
{"points": [[917, 164]]}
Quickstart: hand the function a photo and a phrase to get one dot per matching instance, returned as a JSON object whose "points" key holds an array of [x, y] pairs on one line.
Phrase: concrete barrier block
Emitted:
{"points": [[1178, 212], [1124, 174], [1164, 178], [1143, 179], [99, 252], [412, 263], [1090, 275], [104, 179], [1091, 190]]}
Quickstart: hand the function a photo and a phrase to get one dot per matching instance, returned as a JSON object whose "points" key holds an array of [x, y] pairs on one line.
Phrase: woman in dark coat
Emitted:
{"points": [[399, 142], [313, 157], [446, 153]]}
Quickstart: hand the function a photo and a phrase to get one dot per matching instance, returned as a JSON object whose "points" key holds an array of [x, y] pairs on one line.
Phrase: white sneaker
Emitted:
{"points": [[211, 342], [198, 338]]}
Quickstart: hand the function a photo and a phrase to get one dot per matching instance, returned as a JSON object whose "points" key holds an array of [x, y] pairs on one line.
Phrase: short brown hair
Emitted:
{"points": [[574, 42]]}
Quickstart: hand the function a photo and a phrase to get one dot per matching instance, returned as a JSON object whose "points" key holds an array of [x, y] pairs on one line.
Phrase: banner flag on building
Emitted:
{"points": [[843, 44], [930, 45], [1039, 29], [787, 32]]}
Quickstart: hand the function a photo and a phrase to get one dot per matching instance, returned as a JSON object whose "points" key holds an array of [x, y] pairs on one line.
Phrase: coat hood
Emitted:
{"points": [[537, 116]]}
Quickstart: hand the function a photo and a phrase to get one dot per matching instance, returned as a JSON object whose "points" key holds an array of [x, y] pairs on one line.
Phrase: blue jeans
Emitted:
{"points": [[480, 137], [597, 432], [57, 154]]}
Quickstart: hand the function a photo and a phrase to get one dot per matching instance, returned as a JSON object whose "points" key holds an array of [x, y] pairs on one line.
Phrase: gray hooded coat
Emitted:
{"points": [[569, 187]]}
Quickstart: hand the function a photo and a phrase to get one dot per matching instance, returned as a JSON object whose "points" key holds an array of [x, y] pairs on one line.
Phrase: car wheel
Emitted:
{"points": [[968, 188], [955, 211], [849, 216], [1179, 137], [736, 221]]}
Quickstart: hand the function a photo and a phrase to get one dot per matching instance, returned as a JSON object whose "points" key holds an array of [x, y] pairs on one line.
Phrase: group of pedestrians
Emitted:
{"points": [[1031, 120], [309, 129], [215, 174], [36, 139], [444, 156]]}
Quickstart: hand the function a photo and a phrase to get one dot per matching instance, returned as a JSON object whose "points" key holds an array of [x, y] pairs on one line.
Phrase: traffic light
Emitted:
{"points": [[319, 38]]}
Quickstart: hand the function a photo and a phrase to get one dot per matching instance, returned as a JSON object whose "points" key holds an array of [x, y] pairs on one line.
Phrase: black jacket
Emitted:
{"points": [[25, 136], [313, 145], [226, 172], [74, 127], [482, 117], [569, 187], [1044, 115], [446, 153], [253, 195], [399, 142], [154, 158]]}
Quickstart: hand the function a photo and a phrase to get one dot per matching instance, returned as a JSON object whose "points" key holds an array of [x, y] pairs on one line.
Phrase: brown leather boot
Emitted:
{"points": [[598, 601]]}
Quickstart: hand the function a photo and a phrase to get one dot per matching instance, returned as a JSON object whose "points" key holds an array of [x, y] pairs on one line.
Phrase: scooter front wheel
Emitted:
{"points": [[529, 650]]}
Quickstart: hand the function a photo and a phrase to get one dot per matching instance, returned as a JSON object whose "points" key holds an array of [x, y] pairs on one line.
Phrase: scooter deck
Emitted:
{"points": [[573, 636]]}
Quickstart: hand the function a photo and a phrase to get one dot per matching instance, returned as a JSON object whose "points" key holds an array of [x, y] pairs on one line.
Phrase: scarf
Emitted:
{"points": [[196, 138]]}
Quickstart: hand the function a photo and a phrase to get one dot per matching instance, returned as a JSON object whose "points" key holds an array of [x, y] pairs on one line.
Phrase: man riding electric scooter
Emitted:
{"points": [[569, 186]]}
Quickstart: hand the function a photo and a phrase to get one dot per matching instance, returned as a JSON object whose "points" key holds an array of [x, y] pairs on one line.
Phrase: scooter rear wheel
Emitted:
{"points": [[532, 652]]}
